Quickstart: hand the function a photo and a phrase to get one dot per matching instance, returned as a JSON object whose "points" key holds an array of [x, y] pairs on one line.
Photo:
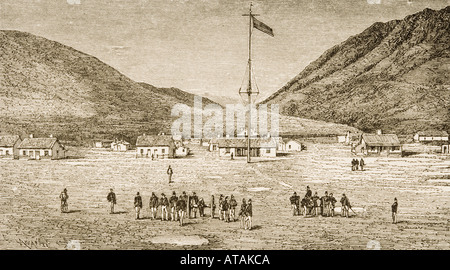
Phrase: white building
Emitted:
{"points": [[41, 148], [9, 146], [155, 146], [236, 147], [431, 136]]}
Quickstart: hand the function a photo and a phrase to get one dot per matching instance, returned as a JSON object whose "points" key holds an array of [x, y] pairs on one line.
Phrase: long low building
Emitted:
{"points": [[156, 146], [41, 148], [379, 145], [236, 147]]}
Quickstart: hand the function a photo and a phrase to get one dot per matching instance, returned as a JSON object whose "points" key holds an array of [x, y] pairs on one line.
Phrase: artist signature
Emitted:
{"points": [[36, 242]]}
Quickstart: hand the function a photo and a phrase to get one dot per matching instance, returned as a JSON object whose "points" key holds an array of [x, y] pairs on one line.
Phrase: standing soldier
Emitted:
{"points": [[242, 213], [173, 206], [154, 202], [184, 197], [356, 164], [294, 203], [361, 164], [170, 172], [345, 205], [181, 207], [316, 208], [394, 211], [213, 206], [325, 204], [332, 201], [194, 204], [220, 206], [225, 208], [249, 214], [164, 202], [137, 204], [201, 207], [64, 198], [233, 205], [353, 164], [112, 200]]}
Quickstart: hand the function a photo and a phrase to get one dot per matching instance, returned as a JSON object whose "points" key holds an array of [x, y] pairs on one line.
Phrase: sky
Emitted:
{"points": [[201, 46]]}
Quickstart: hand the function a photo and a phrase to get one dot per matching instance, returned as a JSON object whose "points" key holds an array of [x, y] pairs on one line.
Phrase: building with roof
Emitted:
{"points": [[155, 146], [120, 146], [431, 136], [9, 146], [41, 148], [292, 145], [378, 145], [236, 147]]}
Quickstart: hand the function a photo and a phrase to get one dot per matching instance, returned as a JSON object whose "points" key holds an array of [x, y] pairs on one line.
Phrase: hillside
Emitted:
{"points": [[393, 76], [47, 87]]}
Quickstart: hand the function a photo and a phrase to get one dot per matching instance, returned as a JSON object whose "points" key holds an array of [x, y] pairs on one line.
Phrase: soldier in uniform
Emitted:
{"points": [[173, 206], [194, 204], [242, 213], [361, 164], [184, 197], [213, 206], [153, 204], [169, 173], [138, 204], [325, 204], [164, 202], [64, 197], [394, 211], [249, 215], [112, 200], [201, 207], [220, 207], [225, 209], [316, 208], [233, 205], [345, 205], [294, 203], [181, 207], [332, 202]]}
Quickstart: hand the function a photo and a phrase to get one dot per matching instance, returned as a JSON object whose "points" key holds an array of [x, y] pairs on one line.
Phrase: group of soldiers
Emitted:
{"points": [[313, 205], [227, 210], [356, 164]]}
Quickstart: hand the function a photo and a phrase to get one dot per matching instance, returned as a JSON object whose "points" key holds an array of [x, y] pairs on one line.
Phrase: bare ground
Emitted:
{"points": [[30, 217]]}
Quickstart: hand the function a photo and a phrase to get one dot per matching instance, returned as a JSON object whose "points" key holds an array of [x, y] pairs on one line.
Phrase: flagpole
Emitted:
{"points": [[249, 83]]}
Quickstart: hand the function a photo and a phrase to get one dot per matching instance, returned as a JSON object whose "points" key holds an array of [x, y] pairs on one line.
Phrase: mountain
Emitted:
{"points": [[393, 76], [49, 88]]}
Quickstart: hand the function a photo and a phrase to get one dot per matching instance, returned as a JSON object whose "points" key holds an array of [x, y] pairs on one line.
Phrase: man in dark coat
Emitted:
{"points": [[225, 208], [153, 204], [213, 206], [194, 204], [345, 202], [332, 202], [164, 202], [249, 215], [361, 164], [233, 205], [394, 211], [308, 192], [112, 200], [243, 214], [314, 199], [181, 207], [325, 204], [173, 206], [170, 173], [294, 199], [137, 204], [201, 207], [64, 198]]}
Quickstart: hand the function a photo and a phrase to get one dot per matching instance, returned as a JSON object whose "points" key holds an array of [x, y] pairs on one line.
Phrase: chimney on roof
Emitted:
{"points": [[31, 135], [379, 132]]}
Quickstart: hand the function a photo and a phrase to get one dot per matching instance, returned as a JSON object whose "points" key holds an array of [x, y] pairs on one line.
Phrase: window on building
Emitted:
{"points": [[142, 151], [214, 147], [46, 153], [1, 152], [163, 151], [24, 152], [7, 152], [290, 146], [267, 151]]}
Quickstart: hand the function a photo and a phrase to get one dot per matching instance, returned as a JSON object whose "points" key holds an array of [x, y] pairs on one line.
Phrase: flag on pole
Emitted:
{"points": [[262, 27]]}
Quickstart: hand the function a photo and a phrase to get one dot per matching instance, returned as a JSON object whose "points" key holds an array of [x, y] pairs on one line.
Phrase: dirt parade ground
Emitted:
{"points": [[31, 217]]}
